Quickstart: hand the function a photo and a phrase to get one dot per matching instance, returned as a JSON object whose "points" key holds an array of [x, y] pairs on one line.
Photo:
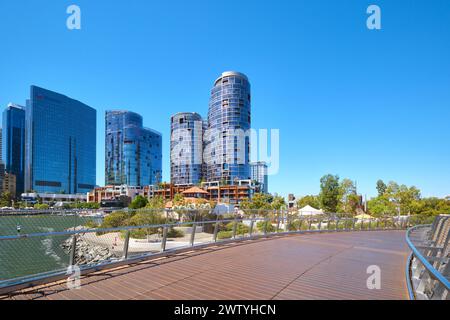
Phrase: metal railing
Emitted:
{"points": [[428, 270], [94, 249]]}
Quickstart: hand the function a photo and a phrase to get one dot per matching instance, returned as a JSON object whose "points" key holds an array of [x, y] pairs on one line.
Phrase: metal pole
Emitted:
{"points": [[251, 225], [73, 250], [278, 222], [216, 230], [266, 222], [125, 245], [164, 239], [194, 228], [234, 228]]}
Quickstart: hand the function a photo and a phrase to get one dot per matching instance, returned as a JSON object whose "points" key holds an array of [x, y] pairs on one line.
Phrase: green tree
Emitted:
{"points": [[329, 192], [380, 206], [138, 202], [157, 202], [5, 199], [309, 200], [41, 206], [348, 199], [258, 201], [381, 187], [278, 203]]}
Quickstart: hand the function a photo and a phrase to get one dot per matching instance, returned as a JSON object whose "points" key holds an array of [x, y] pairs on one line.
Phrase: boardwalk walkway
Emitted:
{"points": [[309, 266]]}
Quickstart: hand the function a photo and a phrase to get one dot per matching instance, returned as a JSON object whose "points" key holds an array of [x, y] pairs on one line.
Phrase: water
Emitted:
{"points": [[30, 256]]}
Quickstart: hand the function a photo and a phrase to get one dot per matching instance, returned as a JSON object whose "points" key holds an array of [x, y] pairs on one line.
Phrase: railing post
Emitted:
{"points": [[164, 239], [234, 228], [354, 224], [194, 228], [362, 225], [216, 230], [378, 223], [310, 224], [370, 223], [337, 224], [73, 250], [278, 222], [286, 221], [252, 222], [266, 222], [125, 245]]}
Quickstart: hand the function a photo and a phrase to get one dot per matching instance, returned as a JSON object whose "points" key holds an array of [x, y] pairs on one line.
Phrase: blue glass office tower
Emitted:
{"points": [[13, 146], [133, 154], [227, 155], [60, 155], [186, 148]]}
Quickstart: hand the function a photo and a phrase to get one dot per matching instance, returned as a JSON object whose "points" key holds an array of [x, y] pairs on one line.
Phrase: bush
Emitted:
{"points": [[115, 220], [142, 218], [41, 206], [175, 233], [91, 224], [241, 228], [265, 225], [224, 235]]}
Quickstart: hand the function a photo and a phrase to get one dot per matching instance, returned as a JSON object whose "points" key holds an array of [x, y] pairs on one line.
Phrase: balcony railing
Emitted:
{"points": [[428, 271]]}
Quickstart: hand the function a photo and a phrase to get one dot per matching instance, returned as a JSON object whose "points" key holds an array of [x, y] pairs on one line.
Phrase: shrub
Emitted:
{"points": [[175, 233], [224, 235], [115, 220], [142, 218], [265, 225], [91, 224], [240, 228]]}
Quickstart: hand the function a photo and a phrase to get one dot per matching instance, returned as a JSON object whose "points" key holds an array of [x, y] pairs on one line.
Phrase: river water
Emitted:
{"points": [[28, 256]]}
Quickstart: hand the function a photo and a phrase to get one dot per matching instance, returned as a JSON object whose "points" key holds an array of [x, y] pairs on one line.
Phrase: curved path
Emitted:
{"points": [[308, 266]]}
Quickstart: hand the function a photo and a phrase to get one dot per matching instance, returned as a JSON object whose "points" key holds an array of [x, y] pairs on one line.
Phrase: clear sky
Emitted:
{"points": [[363, 104]]}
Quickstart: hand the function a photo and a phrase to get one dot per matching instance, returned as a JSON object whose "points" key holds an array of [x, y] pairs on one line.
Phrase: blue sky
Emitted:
{"points": [[359, 103]]}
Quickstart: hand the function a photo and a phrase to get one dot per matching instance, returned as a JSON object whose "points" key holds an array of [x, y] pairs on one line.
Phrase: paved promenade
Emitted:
{"points": [[309, 266]]}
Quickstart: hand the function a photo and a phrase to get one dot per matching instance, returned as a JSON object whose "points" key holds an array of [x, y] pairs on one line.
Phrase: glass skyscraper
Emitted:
{"points": [[227, 141], [60, 149], [133, 154], [13, 144], [186, 148], [259, 174]]}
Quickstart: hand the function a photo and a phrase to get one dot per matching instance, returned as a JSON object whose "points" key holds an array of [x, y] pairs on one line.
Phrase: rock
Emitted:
{"points": [[88, 254]]}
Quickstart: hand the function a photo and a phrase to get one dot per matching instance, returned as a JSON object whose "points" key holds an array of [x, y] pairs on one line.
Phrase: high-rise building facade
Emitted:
{"points": [[60, 148], [133, 154], [226, 153], [13, 144], [259, 174], [186, 148]]}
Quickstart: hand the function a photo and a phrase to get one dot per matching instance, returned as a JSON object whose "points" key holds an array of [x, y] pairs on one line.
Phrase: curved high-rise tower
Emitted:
{"points": [[186, 148], [227, 138], [133, 154]]}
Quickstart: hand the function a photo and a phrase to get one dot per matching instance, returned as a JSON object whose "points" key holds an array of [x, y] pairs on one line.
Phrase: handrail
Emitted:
{"points": [[432, 271]]}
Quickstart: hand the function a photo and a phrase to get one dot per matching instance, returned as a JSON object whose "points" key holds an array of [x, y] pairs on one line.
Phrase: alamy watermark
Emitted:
{"points": [[73, 22], [196, 146], [73, 281], [374, 280], [374, 20]]}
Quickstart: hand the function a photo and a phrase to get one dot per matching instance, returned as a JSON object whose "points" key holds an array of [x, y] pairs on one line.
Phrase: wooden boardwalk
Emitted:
{"points": [[309, 266]]}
